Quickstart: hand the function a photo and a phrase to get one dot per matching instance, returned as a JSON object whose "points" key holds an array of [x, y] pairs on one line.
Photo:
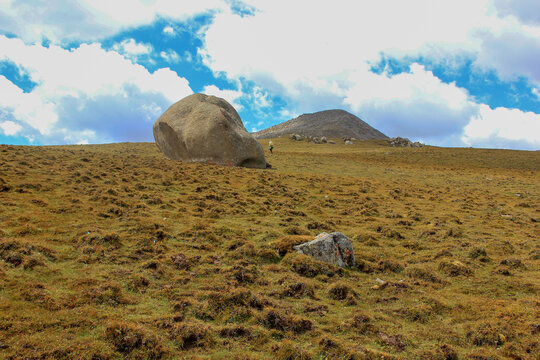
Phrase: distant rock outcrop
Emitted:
{"points": [[334, 248], [201, 128], [329, 123], [404, 142]]}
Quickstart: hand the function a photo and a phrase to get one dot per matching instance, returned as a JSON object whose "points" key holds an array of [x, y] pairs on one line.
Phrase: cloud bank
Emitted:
{"points": [[89, 20], [324, 60], [85, 94]]}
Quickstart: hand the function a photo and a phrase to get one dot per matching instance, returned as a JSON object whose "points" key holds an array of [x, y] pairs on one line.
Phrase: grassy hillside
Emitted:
{"points": [[112, 251]]}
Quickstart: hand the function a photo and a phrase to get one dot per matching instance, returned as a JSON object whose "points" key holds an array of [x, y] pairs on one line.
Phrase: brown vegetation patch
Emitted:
{"points": [[362, 324], [396, 341], [299, 290], [231, 298], [340, 291], [138, 283], [332, 348], [422, 312], [285, 244], [4, 187], [198, 261], [480, 254], [135, 341], [110, 240], [422, 272], [389, 265], [244, 272], [32, 261], [454, 268], [513, 263], [108, 293], [307, 266], [288, 350], [37, 294], [486, 334], [15, 252], [191, 335], [235, 332], [274, 319]]}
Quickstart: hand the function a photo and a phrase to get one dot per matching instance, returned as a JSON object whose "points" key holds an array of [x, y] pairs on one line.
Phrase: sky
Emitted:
{"points": [[455, 73]]}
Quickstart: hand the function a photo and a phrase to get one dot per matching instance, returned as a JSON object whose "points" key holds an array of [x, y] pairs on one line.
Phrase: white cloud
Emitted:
{"points": [[89, 20], [10, 128], [414, 104], [88, 69], [261, 97], [232, 96], [152, 111], [132, 49], [502, 127], [169, 30], [170, 56], [536, 92], [187, 56], [286, 113], [28, 108], [86, 93], [512, 55], [337, 37], [79, 137], [417, 85], [357, 32]]}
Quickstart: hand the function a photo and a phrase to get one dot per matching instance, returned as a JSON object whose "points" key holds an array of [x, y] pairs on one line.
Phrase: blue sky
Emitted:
{"points": [[457, 73]]}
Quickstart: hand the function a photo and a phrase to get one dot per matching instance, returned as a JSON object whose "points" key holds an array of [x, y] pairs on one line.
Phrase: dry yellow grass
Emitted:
{"points": [[112, 251]]}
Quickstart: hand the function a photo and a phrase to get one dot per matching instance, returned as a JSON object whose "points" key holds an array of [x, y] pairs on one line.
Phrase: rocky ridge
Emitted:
{"points": [[329, 124]]}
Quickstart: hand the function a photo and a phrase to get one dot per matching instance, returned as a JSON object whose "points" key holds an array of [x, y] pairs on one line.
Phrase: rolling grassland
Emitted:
{"points": [[114, 252]]}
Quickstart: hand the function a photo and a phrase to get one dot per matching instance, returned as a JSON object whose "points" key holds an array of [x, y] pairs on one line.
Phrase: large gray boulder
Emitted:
{"points": [[334, 248], [201, 128]]}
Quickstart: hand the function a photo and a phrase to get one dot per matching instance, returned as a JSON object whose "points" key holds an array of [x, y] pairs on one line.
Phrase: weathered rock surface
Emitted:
{"points": [[404, 142], [296, 137], [201, 128], [334, 248]]}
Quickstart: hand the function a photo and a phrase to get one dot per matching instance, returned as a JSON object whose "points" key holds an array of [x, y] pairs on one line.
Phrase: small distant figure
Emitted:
{"points": [[271, 147]]}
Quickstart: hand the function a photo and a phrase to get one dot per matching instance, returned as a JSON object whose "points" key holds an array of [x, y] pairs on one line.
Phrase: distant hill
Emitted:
{"points": [[329, 123]]}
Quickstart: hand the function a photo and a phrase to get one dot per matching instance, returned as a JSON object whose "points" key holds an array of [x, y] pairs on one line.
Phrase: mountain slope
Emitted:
{"points": [[329, 123]]}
